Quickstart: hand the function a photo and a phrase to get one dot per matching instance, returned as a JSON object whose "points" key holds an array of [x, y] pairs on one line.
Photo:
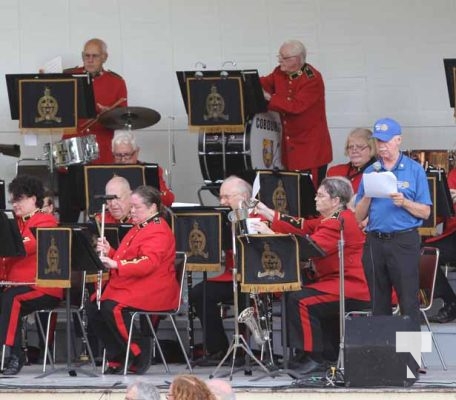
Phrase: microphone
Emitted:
{"points": [[105, 196], [377, 166]]}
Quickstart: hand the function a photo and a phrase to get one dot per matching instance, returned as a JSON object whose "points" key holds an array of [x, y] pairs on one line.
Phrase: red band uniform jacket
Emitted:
{"points": [[145, 278], [326, 233], [300, 100], [108, 88]]}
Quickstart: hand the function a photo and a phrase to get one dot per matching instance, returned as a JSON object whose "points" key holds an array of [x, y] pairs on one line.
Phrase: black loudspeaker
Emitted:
{"points": [[370, 352]]}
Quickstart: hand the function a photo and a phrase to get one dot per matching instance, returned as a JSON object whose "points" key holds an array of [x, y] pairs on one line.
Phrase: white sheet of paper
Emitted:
{"points": [[30, 139], [379, 184], [256, 186], [53, 66]]}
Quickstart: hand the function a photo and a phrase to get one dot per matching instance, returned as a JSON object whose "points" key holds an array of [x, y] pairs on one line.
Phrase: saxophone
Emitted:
{"points": [[256, 320]]}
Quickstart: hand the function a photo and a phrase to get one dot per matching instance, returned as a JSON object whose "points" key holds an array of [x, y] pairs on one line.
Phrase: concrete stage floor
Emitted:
{"points": [[435, 384]]}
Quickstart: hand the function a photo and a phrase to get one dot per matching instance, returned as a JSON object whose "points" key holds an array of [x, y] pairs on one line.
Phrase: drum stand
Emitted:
{"points": [[238, 339]]}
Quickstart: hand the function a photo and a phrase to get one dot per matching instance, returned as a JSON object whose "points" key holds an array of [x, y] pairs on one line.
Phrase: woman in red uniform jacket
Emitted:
{"points": [[27, 194], [319, 299], [142, 277], [360, 149]]}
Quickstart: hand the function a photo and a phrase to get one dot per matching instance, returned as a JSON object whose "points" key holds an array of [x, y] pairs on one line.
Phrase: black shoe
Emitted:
{"points": [[445, 314], [310, 366], [15, 364], [141, 363], [113, 370]]}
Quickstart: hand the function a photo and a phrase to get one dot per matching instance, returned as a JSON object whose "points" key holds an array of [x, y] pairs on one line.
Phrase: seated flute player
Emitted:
{"points": [[318, 300], [142, 278]]}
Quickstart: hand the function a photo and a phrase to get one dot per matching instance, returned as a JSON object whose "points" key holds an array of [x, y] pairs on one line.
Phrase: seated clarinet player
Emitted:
{"points": [[318, 300], [142, 278], [26, 196]]}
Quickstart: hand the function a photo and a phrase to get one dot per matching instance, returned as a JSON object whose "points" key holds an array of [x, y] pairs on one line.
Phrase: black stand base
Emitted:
{"points": [[238, 342]]}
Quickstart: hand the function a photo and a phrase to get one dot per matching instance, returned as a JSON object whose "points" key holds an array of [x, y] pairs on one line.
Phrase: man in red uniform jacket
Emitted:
{"points": [[109, 91], [126, 151], [27, 195], [318, 300], [296, 90]]}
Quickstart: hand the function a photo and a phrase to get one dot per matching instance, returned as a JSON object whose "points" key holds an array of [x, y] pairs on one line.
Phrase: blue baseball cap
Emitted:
{"points": [[385, 129]]}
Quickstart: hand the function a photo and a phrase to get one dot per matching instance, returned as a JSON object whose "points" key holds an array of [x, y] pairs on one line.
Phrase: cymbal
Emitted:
{"points": [[129, 118]]}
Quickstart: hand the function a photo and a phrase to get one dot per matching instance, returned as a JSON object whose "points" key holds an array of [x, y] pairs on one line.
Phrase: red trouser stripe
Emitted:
{"points": [[304, 305], [16, 312], [123, 329]]}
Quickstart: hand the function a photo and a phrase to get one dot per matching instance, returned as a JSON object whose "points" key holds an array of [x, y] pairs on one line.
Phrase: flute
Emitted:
{"points": [[100, 272]]}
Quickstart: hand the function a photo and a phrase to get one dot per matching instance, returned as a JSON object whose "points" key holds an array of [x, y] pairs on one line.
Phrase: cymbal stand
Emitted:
{"points": [[238, 341]]}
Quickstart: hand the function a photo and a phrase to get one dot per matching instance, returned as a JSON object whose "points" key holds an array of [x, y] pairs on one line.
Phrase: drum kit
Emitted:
{"points": [[223, 154], [84, 149]]}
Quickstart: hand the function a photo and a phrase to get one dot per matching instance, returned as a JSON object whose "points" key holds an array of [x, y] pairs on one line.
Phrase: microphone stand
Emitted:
{"points": [[238, 340], [341, 244]]}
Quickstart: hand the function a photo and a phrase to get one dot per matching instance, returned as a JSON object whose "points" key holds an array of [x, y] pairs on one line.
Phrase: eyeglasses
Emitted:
{"points": [[227, 196], [280, 57], [124, 156], [357, 147], [87, 56]]}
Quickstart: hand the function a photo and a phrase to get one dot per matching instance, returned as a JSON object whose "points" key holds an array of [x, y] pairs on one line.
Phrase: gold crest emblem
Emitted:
{"points": [[47, 107], [197, 242], [271, 263], [279, 198], [267, 152], [215, 105], [52, 258]]}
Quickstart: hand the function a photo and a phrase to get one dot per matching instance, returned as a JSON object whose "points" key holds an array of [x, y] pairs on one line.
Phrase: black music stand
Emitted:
{"points": [[11, 244], [96, 177], [84, 258], [238, 96], [85, 97], [208, 259]]}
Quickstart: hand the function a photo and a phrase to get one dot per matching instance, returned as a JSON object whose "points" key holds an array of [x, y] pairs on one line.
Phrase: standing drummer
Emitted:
{"points": [[295, 89], [110, 91]]}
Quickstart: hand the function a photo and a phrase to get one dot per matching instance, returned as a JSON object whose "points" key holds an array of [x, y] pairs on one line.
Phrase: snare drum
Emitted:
{"points": [[257, 148], [75, 150], [433, 158]]}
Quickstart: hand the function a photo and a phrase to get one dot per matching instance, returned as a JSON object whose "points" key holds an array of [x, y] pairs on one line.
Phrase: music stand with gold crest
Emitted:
{"points": [[270, 264], [55, 259], [238, 216], [198, 233]]}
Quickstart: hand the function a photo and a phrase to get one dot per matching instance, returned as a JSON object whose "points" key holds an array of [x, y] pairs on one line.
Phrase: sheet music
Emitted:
{"points": [[53, 66], [256, 186], [380, 184]]}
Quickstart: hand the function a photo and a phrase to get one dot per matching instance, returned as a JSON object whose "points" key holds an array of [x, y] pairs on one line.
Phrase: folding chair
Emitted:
{"points": [[429, 262], [76, 311], [180, 267]]}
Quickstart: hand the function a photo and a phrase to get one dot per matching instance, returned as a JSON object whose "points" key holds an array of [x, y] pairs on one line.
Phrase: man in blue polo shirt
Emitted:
{"points": [[392, 249]]}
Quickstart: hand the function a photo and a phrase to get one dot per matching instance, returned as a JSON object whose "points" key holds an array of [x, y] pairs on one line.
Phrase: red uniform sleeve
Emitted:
{"points": [[167, 196]]}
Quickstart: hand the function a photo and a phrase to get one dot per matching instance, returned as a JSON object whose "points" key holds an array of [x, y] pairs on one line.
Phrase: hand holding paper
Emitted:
{"points": [[379, 184]]}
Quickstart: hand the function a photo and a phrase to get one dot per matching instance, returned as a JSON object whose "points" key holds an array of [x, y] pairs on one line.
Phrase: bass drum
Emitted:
{"points": [[257, 148], [444, 159]]}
